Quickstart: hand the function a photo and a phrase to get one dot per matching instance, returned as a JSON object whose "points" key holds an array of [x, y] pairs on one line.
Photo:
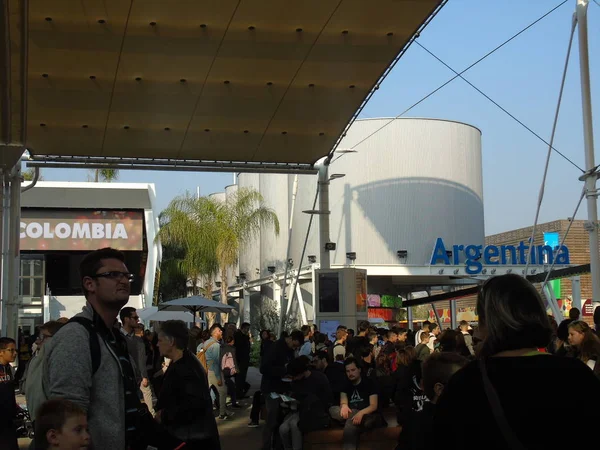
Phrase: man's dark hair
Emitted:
{"points": [[352, 360], [305, 330], [126, 313], [298, 365], [350, 332], [5, 342], [426, 323], [214, 327], [363, 326], [229, 339], [92, 262], [401, 331], [390, 333], [574, 313], [245, 325], [176, 330], [297, 336], [322, 355], [53, 415], [341, 327], [433, 326], [438, 368]]}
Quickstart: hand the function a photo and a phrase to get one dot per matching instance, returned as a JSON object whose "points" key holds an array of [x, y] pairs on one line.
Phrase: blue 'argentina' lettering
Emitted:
{"points": [[497, 255]]}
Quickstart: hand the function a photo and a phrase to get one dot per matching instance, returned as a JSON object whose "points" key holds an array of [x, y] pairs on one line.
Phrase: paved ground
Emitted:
{"points": [[234, 433]]}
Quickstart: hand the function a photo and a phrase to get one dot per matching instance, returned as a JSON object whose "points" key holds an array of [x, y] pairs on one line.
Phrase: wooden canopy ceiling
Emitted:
{"points": [[217, 84]]}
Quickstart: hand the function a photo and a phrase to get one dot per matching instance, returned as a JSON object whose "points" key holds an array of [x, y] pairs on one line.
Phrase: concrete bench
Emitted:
{"points": [[385, 438]]}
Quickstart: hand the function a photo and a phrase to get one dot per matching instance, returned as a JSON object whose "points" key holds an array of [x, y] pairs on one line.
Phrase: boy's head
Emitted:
{"points": [[437, 370], [425, 338], [61, 425]]}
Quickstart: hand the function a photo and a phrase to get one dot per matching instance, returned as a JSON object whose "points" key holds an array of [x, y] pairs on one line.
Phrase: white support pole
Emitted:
{"points": [[323, 186], [588, 138], [301, 305], [286, 299], [2, 251], [576, 292]]}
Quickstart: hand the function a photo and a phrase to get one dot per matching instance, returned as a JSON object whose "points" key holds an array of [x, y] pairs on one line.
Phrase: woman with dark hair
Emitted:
{"points": [[452, 341], [508, 385], [184, 405]]}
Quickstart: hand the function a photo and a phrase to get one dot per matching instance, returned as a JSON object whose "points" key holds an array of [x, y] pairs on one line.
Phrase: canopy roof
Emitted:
{"points": [[211, 84]]}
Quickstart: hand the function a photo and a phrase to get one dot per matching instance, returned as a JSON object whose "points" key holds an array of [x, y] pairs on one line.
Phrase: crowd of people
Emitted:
{"points": [[100, 380]]}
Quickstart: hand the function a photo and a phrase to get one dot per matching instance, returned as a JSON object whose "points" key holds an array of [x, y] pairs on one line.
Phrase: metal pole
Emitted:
{"points": [[323, 166], [2, 266], [286, 298], [588, 137]]}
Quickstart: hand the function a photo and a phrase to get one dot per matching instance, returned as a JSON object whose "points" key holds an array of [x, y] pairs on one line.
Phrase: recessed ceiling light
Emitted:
{"points": [[284, 132], [44, 75], [138, 78], [321, 134], [42, 124], [226, 82], [84, 126], [299, 30], [167, 129], [207, 130], [246, 131], [48, 19], [126, 127], [183, 80], [351, 86], [101, 21], [92, 77], [311, 85], [152, 24], [269, 83], [345, 32], [252, 28], [390, 34], [202, 25]]}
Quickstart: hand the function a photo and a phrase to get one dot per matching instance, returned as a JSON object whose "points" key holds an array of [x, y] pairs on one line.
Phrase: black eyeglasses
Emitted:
{"points": [[115, 275]]}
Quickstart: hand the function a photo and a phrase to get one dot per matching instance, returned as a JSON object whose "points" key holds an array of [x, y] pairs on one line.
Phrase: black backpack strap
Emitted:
{"points": [[498, 411], [93, 339]]}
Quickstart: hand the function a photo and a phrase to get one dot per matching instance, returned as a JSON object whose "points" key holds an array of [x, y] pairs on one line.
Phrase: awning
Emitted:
{"points": [[212, 84]]}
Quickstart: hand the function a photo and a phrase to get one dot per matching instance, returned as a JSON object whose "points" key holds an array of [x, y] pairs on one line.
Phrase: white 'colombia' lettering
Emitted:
{"points": [[79, 230]]}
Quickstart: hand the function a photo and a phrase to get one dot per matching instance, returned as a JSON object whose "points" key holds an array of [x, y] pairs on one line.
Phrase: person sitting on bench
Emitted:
{"points": [[358, 409]]}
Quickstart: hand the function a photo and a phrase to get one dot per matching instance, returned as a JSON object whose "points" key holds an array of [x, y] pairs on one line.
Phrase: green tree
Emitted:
{"points": [[185, 226], [106, 175], [28, 175], [237, 221]]}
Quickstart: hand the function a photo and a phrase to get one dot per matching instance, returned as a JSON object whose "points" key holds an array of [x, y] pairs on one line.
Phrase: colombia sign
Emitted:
{"points": [[80, 230]]}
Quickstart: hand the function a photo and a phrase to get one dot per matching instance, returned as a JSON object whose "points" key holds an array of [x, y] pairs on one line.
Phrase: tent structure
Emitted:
{"points": [[195, 304]]}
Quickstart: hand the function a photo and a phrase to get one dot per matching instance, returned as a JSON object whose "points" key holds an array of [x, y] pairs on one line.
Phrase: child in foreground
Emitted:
{"points": [[61, 425]]}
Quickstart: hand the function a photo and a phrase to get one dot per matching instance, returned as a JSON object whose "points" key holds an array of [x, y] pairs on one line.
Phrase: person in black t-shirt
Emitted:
{"points": [[8, 403], [358, 408]]}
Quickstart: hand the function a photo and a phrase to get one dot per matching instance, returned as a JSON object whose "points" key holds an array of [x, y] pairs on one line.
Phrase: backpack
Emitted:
{"points": [[36, 392], [228, 365], [201, 355]]}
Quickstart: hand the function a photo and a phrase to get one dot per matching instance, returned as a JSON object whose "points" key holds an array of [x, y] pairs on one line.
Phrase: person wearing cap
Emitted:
{"points": [[312, 392]]}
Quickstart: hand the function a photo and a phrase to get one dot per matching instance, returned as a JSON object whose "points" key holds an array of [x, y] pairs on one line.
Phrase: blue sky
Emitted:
{"points": [[524, 77]]}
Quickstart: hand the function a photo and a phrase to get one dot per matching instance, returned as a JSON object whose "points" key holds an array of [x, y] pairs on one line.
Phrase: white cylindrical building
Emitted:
{"points": [[408, 182]]}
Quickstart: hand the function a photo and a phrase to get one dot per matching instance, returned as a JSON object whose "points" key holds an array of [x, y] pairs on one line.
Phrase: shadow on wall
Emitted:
{"points": [[407, 213]]}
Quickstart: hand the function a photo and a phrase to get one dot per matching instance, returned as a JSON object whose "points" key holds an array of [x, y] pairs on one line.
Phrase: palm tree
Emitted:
{"points": [[237, 221], [106, 175], [185, 226]]}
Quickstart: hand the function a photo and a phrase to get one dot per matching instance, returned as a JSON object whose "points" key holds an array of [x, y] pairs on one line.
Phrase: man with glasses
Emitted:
{"points": [[87, 361], [8, 403], [137, 352]]}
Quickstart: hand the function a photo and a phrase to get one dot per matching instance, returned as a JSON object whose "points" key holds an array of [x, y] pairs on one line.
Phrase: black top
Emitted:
{"points": [[185, 399], [273, 367], [336, 374], [353, 344], [531, 390], [315, 398], [358, 395], [8, 403], [242, 347]]}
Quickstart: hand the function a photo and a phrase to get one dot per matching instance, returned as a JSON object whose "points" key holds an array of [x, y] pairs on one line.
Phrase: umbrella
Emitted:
{"points": [[195, 304], [163, 316]]}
